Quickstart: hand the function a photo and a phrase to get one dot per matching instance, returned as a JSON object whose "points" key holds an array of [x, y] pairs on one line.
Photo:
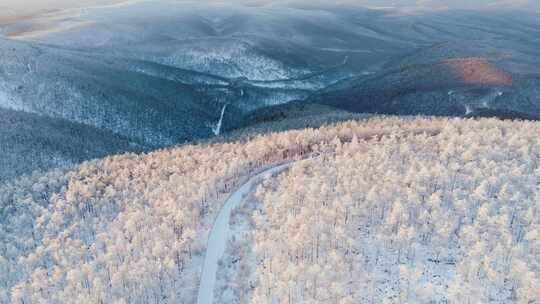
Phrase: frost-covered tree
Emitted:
{"points": [[390, 206]]}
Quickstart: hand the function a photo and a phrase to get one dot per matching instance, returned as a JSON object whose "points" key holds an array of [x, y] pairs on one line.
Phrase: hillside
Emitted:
{"points": [[445, 85], [269, 152], [293, 115], [31, 142], [161, 73], [419, 209], [104, 92], [466, 64]]}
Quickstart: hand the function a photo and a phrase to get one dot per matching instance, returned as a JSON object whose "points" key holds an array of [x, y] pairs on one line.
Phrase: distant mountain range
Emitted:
{"points": [[154, 74]]}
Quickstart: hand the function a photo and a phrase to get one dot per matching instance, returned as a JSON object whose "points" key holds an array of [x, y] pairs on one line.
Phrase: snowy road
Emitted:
{"points": [[219, 235]]}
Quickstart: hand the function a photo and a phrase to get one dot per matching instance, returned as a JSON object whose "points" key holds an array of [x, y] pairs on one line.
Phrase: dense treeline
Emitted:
{"points": [[30, 142], [411, 218], [132, 228]]}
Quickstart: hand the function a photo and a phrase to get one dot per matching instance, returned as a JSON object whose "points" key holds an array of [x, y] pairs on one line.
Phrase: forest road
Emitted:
{"points": [[220, 233]]}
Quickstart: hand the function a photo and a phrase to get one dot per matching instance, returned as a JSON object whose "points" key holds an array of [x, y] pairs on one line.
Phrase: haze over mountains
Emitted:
{"points": [[159, 73]]}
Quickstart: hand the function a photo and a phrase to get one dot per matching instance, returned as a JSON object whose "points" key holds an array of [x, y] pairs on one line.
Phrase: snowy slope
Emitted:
{"points": [[97, 91], [160, 72], [421, 210], [230, 40], [220, 234], [31, 142]]}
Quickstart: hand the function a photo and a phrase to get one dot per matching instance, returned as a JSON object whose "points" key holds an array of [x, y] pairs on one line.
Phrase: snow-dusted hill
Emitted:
{"points": [[32, 142], [388, 209], [161, 72], [124, 97], [449, 217], [230, 40], [481, 68], [361, 208], [158, 74]]}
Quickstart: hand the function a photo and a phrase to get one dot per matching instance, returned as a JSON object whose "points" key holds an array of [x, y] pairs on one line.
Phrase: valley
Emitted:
{"points": [[142, 79], [269, 151]]}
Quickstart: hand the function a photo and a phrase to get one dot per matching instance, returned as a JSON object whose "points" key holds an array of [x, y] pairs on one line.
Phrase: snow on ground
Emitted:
{"points": [[221, 231], [151, 226], [236, 276]]}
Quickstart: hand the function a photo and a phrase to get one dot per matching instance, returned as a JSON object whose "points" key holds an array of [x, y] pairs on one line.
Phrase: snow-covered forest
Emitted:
{"points": [[449, 217], [397, 210], [269, 151]]}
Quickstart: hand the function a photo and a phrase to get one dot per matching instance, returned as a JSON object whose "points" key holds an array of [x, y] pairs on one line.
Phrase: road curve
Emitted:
{"points": [[220, 232]]}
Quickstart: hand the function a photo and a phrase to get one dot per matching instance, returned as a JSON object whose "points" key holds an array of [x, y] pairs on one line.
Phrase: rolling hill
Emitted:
{"points": [[32, 142], [421, 209], [161, 73]]}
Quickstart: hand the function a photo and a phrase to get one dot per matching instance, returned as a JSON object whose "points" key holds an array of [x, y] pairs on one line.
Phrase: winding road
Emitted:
{"points": [[219, 235]]}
